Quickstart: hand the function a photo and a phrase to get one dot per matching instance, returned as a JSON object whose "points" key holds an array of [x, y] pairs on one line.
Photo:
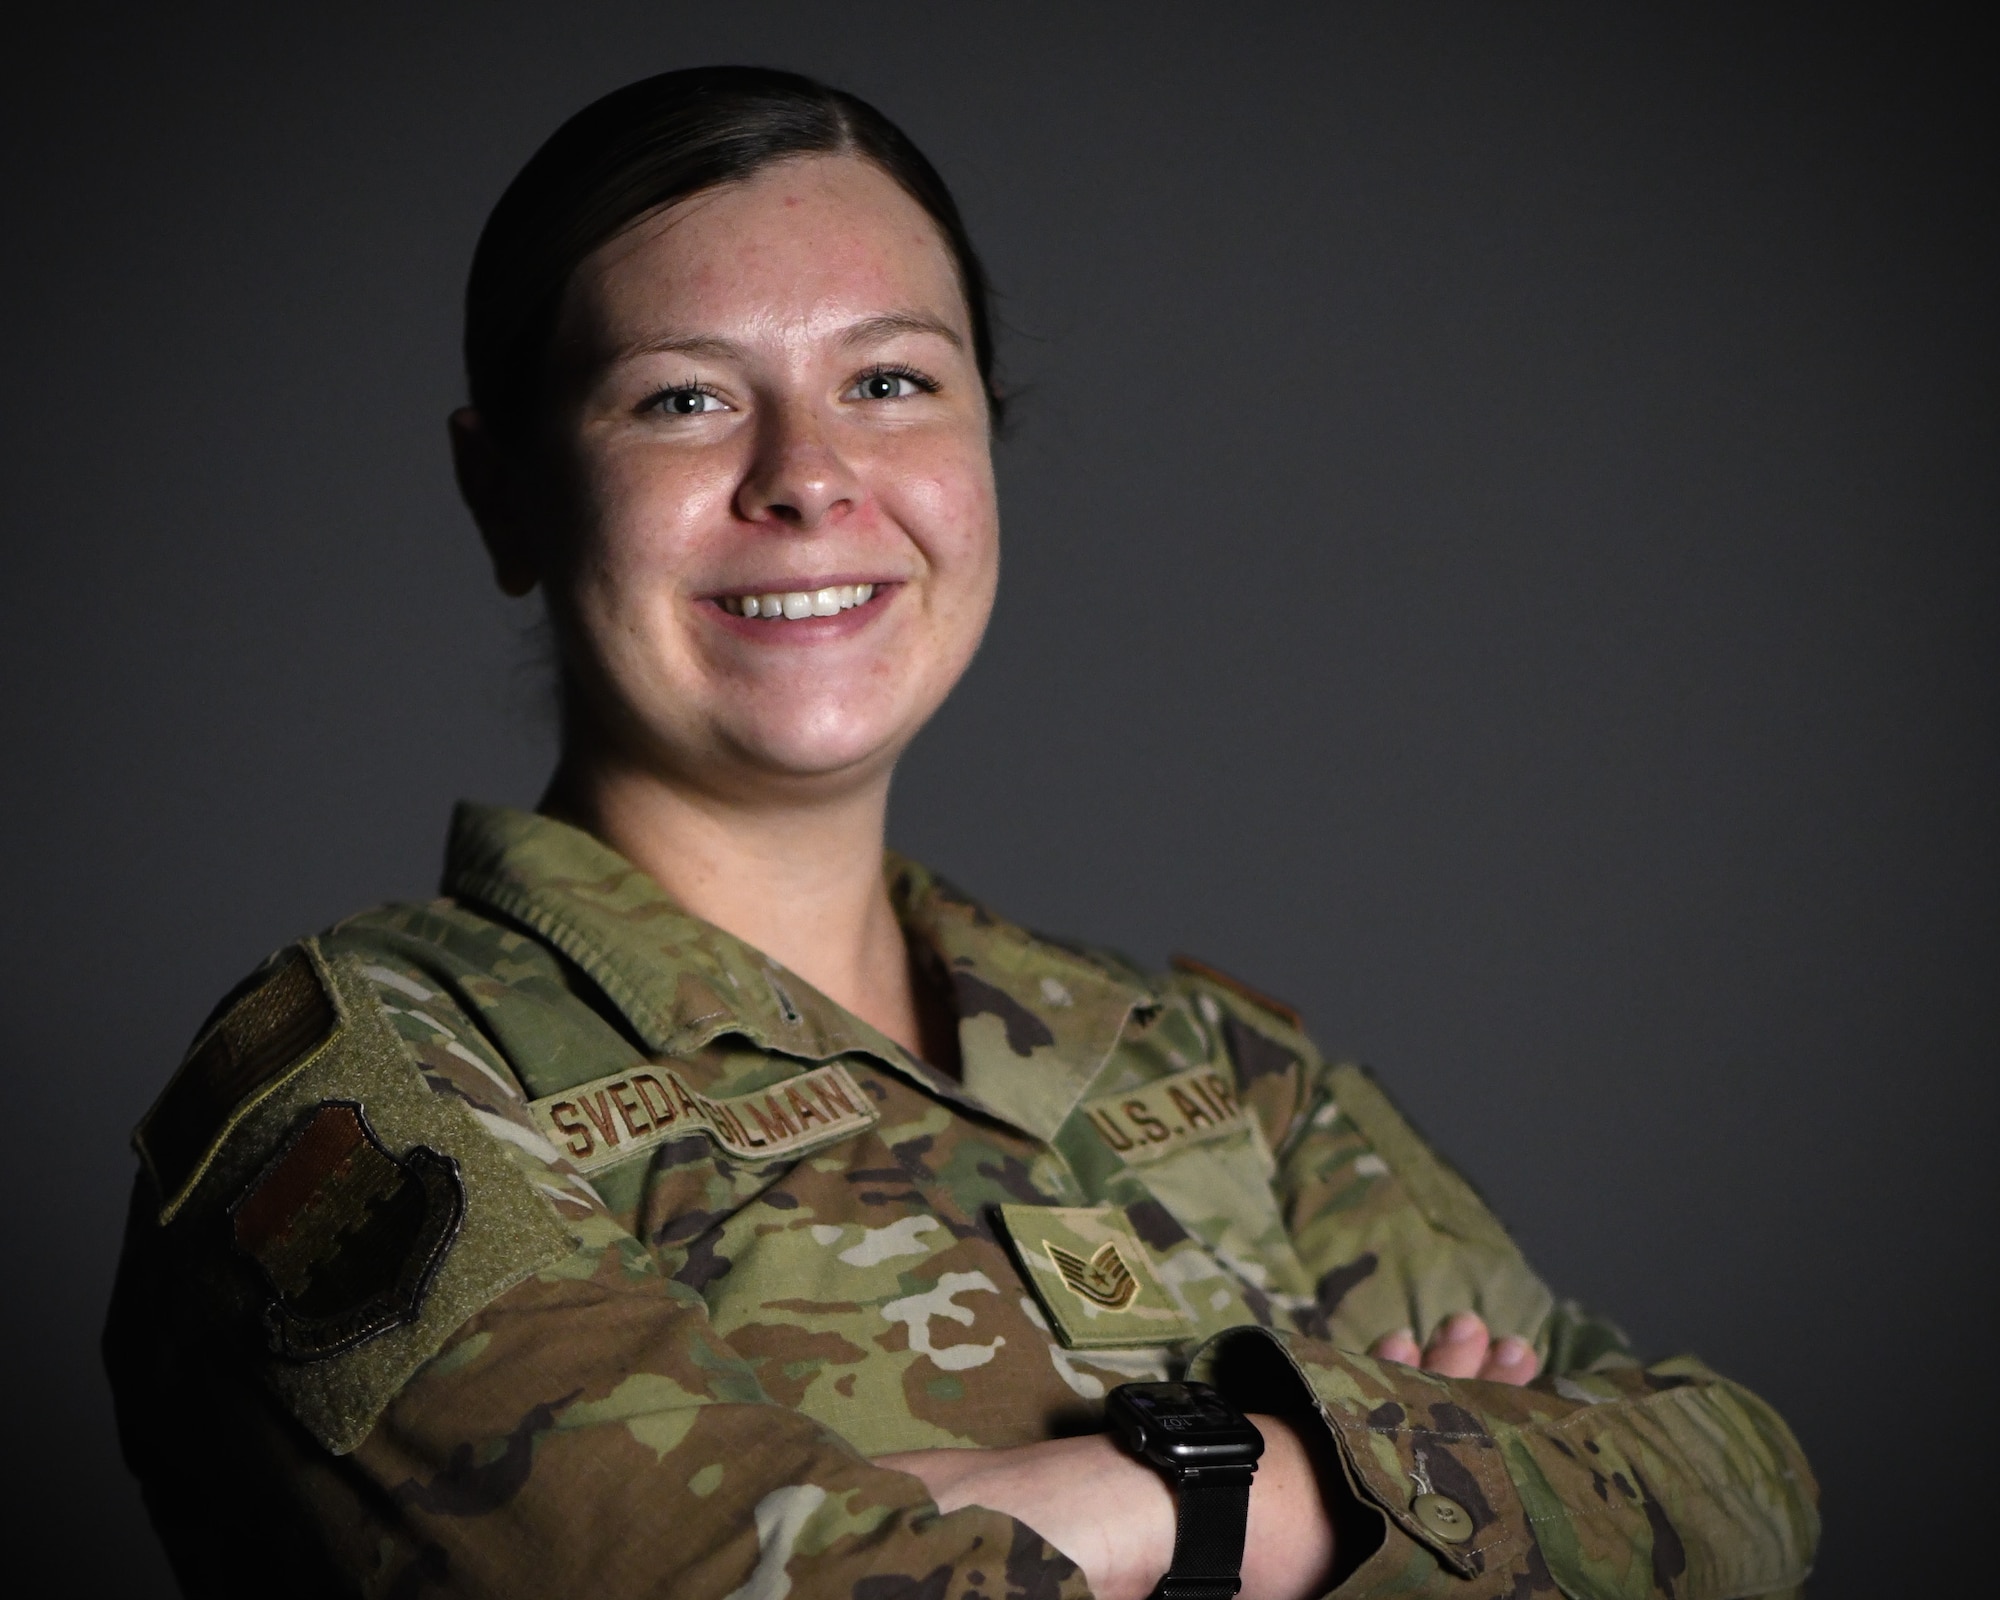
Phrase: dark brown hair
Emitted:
{"points": [[645, 146]]}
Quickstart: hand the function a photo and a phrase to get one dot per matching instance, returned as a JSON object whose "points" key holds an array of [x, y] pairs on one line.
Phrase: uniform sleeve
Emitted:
{"points": [[558, 1418], [588, 1433], [1603, 1478]]}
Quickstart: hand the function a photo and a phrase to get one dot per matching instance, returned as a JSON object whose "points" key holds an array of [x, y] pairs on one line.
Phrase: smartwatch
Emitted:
{"points": [[1207, 1450]]}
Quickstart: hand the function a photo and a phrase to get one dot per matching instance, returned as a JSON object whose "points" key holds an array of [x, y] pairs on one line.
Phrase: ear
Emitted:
{"points": [[489, 484]]}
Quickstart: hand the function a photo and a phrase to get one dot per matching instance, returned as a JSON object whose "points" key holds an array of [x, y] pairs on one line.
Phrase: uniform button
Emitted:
{"points": [[1442, 1519]]}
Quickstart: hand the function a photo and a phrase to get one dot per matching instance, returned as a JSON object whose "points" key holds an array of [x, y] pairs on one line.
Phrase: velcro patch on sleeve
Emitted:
{"points": [[262, 1040], [364, 1217], [1093, 1277], [612, 1119], [1153, 1120], [348, 1235]]}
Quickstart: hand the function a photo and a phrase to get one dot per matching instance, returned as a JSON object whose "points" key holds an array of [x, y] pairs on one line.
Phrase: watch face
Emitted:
{"points": [[1183, 1425]]}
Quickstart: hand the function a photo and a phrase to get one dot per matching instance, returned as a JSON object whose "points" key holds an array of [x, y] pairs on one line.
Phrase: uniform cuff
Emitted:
{"points": [[1410, 1451]]}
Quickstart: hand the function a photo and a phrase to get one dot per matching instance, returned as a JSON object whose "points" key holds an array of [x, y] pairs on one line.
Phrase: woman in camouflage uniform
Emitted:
{"points": [[694, 1200]]}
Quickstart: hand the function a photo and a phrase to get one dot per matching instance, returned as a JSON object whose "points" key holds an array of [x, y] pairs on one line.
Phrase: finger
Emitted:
{"points": [[1458, 1347], [1398, 1346], [1511, 1360]]}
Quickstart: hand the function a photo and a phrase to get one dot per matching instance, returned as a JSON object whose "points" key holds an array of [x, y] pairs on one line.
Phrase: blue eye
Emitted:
{"points": [[891, 383], [688, 400]]}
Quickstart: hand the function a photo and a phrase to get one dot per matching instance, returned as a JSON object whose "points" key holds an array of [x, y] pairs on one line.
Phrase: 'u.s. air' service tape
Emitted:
{"points": [[1153, 1120], [613, 1119]]}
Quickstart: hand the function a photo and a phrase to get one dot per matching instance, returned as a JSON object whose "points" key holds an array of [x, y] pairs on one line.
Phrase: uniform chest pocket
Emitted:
{"points": [[1192, 1172]]}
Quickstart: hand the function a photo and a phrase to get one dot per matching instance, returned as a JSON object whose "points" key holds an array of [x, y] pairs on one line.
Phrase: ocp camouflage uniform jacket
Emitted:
{"points": [[545, 1241]]}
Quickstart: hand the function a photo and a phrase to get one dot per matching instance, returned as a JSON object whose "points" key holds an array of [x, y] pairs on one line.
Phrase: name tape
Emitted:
{"points": [[1155, 1119], [613, 1119]]}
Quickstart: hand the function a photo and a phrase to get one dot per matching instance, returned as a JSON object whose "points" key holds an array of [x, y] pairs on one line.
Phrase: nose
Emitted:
{"points": [[797, 478]]}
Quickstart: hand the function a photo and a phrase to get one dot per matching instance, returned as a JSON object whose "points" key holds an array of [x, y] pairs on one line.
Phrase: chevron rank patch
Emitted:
{"points": [[1093, 1278], [347, 1235], [1104, 1280]]}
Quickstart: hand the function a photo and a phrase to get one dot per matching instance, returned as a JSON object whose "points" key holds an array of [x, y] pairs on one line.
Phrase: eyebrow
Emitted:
{"points": [[873, 330], [868, 331], [712, 348]]}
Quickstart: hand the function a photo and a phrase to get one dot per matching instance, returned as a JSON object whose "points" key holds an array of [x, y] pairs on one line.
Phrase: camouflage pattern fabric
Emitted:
{"points": [[545, 1240]]}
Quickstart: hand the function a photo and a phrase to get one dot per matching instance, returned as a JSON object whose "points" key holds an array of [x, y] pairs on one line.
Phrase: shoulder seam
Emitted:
{"points": [[244, 1070], [1190, 967]]}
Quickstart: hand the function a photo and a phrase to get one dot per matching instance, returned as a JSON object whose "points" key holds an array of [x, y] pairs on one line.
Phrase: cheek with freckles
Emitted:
{"points": [[658, 530], [653, 522], [951, 517]]}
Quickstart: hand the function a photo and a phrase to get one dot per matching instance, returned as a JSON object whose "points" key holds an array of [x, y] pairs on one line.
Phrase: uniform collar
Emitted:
{"points": [[1036, 1022]]}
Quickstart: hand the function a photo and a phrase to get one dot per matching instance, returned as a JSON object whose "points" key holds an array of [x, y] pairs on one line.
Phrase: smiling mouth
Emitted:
{"points": [[799, 603]]}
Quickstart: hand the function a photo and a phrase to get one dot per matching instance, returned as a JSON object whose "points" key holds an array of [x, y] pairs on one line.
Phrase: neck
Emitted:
{"points": [[801, 880]]}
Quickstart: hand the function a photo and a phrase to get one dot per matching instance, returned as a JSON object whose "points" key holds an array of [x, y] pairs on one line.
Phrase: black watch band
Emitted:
{"points": [[1211, 1511], [1207, 1450]]}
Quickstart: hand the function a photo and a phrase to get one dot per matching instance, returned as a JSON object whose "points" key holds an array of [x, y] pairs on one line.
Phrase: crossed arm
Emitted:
{"points": [[1114, 1517]]}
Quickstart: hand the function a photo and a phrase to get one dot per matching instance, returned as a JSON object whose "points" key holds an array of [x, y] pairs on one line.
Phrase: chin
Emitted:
{"points": [[828, 745]]}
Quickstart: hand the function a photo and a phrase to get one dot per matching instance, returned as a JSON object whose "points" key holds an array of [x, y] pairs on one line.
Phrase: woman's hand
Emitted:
{"points": [[1462, 1347], [1114, 1516]]}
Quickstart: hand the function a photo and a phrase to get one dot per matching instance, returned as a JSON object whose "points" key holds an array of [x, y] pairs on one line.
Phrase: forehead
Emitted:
{"points": [[818, 239]]}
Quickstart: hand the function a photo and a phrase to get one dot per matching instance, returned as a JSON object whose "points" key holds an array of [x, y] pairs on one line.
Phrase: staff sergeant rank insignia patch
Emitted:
{"points": [[347, 1235], [1093, 1277], [1104, 1280]]}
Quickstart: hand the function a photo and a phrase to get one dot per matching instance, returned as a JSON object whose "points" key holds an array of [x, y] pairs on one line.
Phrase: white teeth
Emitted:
{"points": [[827, 602]]}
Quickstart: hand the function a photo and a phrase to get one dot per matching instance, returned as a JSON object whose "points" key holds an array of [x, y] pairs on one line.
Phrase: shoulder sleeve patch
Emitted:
{"points": [[260, 1040], [366, 1215], [347, 1235], [1243, 991]]}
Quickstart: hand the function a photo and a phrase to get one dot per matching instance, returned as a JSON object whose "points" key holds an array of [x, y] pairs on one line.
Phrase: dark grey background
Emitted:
{"points": [[1501, 552]]}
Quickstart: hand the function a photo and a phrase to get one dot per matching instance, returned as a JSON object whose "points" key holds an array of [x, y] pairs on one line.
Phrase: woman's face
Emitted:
{"points": [[781, 542]]}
